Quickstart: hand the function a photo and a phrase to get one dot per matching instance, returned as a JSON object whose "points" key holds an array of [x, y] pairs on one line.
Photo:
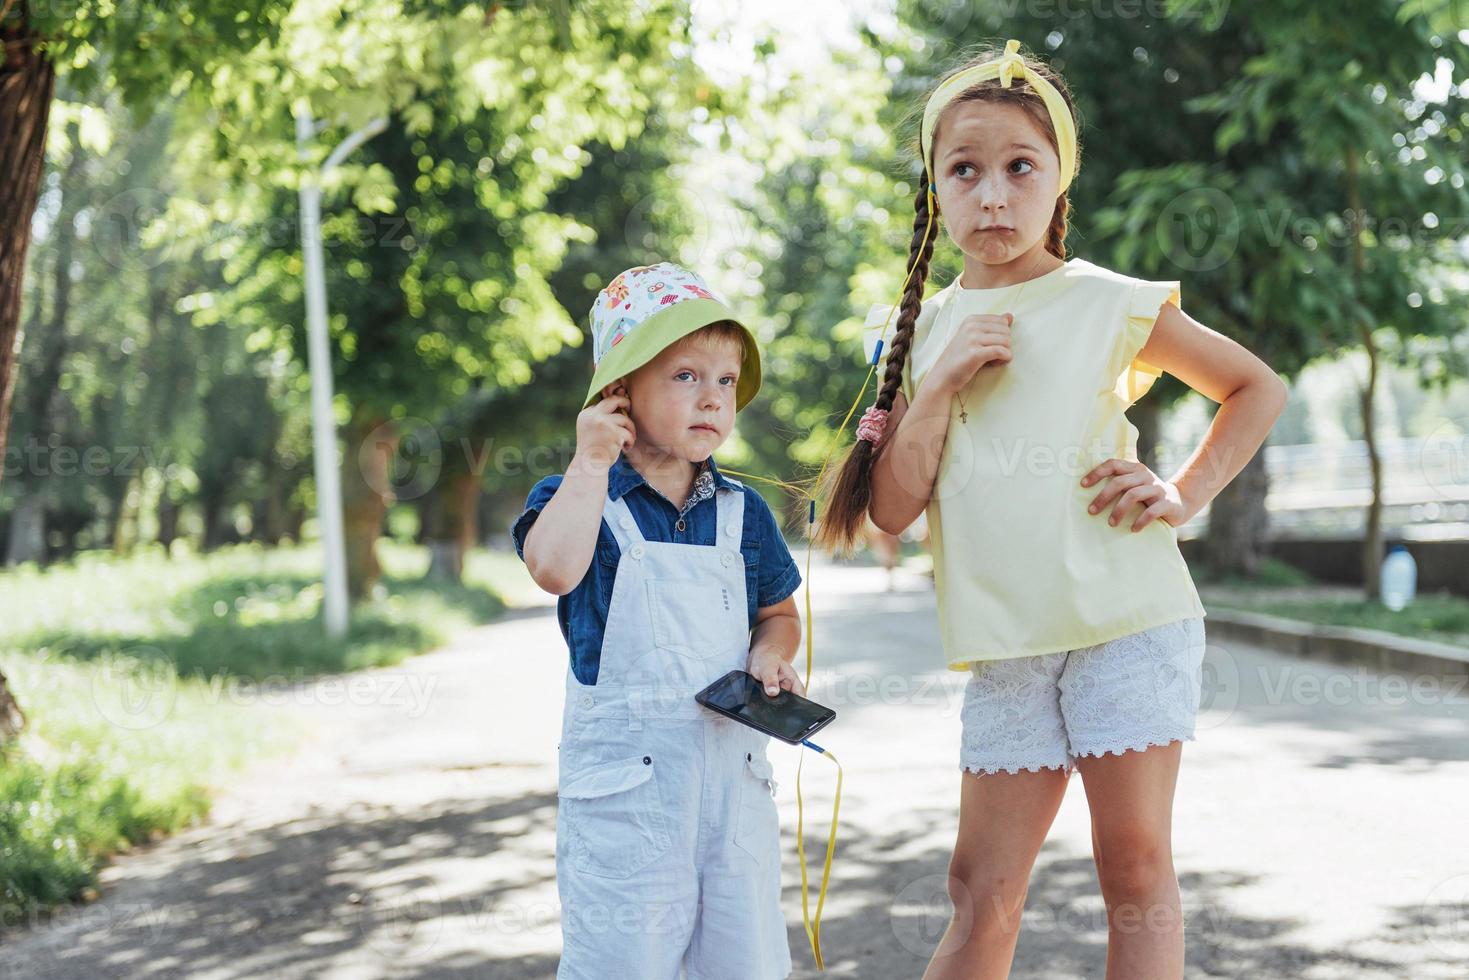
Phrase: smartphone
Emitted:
{"points": [[786, 716]]}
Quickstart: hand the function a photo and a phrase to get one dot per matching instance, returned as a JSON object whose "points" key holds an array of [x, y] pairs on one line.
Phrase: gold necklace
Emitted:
{"points": [[963, 414]]}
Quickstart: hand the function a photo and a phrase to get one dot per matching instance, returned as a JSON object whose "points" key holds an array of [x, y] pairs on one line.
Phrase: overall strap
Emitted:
{"points": [[730, 507], [620, 521]]}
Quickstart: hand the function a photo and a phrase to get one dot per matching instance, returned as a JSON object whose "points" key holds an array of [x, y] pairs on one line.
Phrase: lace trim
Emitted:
{"points": [[979, 770], [1138, 744]]}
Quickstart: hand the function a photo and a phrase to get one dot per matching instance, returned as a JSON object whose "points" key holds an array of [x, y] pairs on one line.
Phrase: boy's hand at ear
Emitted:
{"points": [[603, 430]]}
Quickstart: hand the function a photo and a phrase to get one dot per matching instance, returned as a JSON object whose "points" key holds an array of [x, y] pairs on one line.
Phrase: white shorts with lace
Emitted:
{"points": [[1044, 711]]}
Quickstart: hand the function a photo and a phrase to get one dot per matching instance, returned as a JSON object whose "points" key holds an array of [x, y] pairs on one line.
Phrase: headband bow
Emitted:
{"points": [[1006, 68]]}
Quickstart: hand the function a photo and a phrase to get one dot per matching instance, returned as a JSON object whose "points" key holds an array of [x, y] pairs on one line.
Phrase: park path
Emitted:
{"points": [[1319, 826]]}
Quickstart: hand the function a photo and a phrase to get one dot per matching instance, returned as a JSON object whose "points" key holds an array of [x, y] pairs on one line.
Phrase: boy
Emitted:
{"points": [[667, 839]]}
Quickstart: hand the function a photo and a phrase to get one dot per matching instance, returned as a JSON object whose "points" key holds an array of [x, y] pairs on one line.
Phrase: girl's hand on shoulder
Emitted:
{"points": [[978, 340], [1129, 482], [603, 430]]}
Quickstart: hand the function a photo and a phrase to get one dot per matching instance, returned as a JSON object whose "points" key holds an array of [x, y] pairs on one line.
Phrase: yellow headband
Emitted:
{"points": [[1005, 68]]}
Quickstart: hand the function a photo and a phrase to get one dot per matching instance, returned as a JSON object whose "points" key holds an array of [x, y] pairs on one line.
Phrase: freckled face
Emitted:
{"points": [[998, 179], [683, 401]]}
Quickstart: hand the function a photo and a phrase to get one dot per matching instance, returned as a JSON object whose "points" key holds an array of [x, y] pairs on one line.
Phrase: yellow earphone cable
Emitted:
{"points": [[806, 490]]}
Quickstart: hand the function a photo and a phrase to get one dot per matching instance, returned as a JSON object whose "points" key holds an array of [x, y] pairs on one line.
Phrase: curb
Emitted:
{"points": [[1383, 651]]}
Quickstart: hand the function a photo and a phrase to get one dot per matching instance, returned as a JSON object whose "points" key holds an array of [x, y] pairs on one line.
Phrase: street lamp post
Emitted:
{"points": [[323, 426]]}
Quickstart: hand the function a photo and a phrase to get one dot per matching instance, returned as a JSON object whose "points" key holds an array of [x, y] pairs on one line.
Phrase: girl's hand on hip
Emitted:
{"points": [[978, 340], [1130, 482], [774, 672]]}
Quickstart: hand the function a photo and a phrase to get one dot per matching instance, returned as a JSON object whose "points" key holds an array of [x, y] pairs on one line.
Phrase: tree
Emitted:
{"points": [[140, 52], [439, 270], [1320, 118]]}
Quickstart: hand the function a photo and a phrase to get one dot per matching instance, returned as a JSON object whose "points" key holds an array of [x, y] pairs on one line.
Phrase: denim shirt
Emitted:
{"points": [[771, 574]]}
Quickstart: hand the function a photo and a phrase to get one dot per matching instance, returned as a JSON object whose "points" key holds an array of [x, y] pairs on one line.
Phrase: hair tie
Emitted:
{"points": [[870, 427]]}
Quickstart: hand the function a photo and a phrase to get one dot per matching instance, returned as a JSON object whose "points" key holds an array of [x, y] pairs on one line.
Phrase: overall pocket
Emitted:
{"points": [[757, 825], [612, 816], [692, 619]]}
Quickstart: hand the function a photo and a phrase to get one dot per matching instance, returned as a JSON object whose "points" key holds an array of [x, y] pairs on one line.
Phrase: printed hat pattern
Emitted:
{"points": [[647, 308]]}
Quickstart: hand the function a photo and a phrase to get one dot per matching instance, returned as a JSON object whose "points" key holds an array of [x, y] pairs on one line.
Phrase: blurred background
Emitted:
{"points": [[483, 170]]}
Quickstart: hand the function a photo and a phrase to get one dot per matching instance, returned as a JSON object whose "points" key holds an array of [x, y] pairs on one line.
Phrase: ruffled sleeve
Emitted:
{"points": [[1135, 375], [872, 329], [877, 318]]}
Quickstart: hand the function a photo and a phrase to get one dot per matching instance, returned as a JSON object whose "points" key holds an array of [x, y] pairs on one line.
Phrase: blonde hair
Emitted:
{"points": [[719, 332]]}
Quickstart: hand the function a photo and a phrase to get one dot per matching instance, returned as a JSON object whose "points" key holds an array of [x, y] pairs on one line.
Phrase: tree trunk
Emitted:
{"points": [[212, 501], [1239, 522], [12, 719], [168, 520], [366, 493], [124, 533], [1372, 536], [456, 527], [27, 81], [27, 540], [270, 522]]}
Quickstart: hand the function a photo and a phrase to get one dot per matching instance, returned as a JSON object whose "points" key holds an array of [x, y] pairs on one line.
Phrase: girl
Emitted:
{"points": [[1060, 585]]}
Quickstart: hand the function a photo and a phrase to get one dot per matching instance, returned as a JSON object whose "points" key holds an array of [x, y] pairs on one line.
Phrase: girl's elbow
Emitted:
{"points": [[1278, 392], [886, 522]]}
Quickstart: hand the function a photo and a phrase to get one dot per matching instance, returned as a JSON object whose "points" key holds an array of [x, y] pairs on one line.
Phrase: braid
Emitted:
{"points": [[1056, 234], [850, 489]]}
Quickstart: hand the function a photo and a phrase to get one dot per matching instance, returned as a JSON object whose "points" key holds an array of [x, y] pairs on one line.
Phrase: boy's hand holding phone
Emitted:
{"points": [[774, 671]]}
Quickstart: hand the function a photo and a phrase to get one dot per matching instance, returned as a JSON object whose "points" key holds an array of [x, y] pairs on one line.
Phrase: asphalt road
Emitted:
{"points": [[1319, 824]]}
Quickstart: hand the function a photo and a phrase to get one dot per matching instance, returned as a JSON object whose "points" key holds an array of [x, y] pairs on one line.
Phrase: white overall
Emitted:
{"points": [[667, 836]]}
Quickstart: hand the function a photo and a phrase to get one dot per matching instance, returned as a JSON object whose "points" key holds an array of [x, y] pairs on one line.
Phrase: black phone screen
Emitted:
{"points": [[787, 715]]}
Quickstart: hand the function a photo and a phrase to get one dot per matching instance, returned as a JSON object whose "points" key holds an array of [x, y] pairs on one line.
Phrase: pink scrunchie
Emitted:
{"points": [[871, 425]]}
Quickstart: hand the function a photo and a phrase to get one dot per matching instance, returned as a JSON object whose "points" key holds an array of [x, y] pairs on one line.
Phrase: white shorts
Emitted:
{"points": [[1044, 711]]}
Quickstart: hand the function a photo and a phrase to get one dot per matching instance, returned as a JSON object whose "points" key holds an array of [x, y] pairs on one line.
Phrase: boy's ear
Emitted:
{"points": [[618, 387]]}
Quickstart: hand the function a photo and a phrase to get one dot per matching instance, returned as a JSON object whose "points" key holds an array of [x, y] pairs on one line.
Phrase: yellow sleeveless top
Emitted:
{"points": [[1020, 566]]}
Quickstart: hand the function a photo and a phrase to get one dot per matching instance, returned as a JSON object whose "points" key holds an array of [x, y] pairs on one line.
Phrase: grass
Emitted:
{"points": [[1283, 590], [119, 664]]}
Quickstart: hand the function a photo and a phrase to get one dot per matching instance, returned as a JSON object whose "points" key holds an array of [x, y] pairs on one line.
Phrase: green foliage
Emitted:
{"points": [[143, 50], [1316, 109], [243, 611]]}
